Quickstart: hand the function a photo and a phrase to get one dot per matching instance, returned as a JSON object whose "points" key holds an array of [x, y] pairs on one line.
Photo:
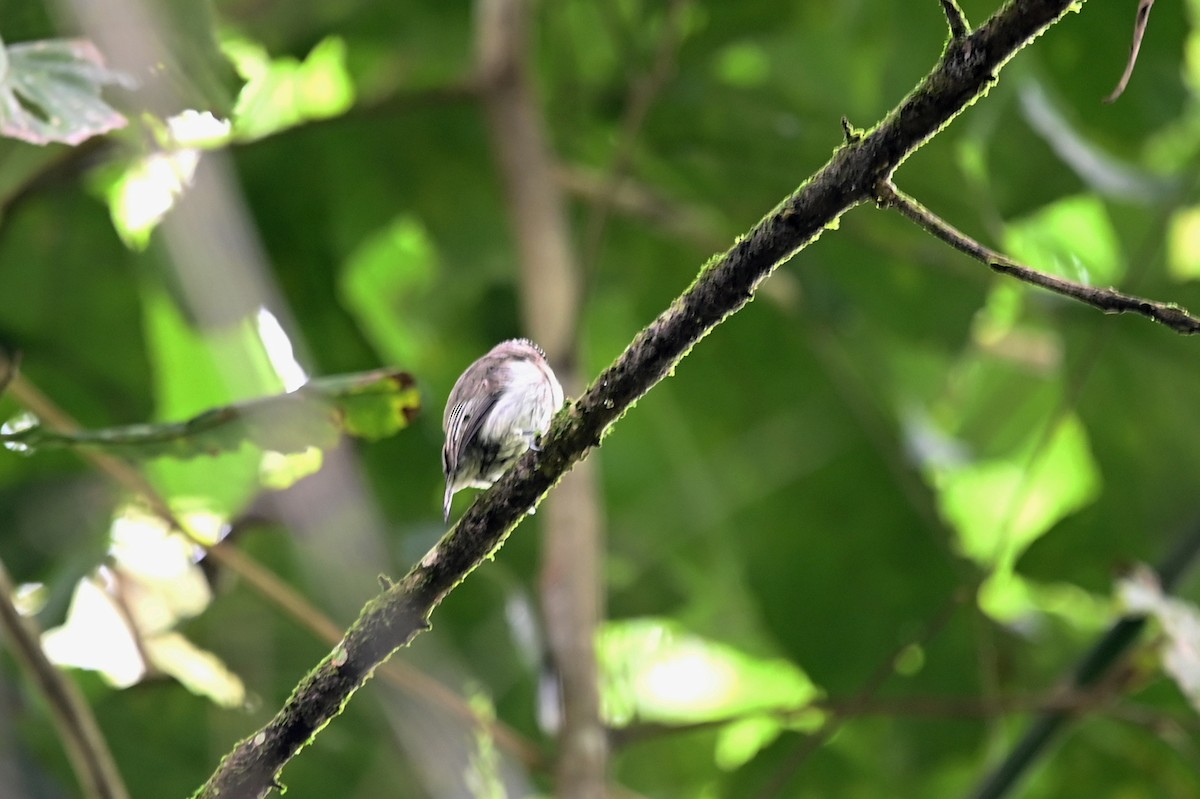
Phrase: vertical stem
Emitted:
{"points": [[550, 280]]}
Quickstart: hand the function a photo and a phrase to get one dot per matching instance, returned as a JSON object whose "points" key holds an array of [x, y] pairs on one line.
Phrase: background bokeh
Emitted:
{"points": [[893, 462]]}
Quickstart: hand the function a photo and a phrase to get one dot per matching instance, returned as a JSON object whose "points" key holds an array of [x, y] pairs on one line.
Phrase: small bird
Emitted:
{"points": [[498, 408]]}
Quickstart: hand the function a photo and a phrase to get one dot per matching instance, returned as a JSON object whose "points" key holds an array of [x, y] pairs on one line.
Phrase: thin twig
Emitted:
{"points": [[959, 27], [641, 99], [262, 580], [695, 226], [1107, 300], [850, 134], [929, 707], [10, 366], [1139, 30], [82, 738], [865, 697]]}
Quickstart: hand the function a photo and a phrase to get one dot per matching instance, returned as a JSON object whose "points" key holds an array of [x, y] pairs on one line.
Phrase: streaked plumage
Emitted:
{"points": [[497, 409]]}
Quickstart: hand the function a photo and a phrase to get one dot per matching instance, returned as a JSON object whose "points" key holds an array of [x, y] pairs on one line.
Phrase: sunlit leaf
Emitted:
{"points": [[278, 470], [1183, 244], [50, 92], [281, 93], [1073, 238], [657, 671], [742, 740], [140, 196], [370, 405], [1011, 597], [224, 364], [386, 275], [122, 618], [999, 506]]}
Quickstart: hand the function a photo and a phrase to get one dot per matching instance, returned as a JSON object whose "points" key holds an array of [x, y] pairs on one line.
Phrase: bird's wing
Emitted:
{"points": [[465, 418]]}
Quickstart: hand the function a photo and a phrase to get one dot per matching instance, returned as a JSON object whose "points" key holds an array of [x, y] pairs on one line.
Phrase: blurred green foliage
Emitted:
{"points": [[888, 425]]}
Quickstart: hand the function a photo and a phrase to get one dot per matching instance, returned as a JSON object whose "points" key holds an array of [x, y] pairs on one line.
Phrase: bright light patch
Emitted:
{"points": [[654, 670], [140, 198], [30, 598], [279, 351], [19, 424], [163, 585], [95, 636], [200, 129], [277, 471], [129, 610], [199, 671], [1183, 244], [142, 543], [689, 678]]}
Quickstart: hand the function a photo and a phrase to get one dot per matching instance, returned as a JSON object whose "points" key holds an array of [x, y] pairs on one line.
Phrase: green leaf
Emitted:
{"points": [[281, 93], [655, 670], [1073, 238], [370, 405], [386, 276], [50, 92], [999, 506]]}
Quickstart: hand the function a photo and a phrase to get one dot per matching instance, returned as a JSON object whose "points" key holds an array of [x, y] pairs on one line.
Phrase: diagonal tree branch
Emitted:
{"points": [[1107, 300], [968, 67]]}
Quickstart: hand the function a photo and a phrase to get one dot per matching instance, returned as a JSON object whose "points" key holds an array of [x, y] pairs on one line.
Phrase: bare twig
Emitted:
{"points": [[1107, 300], [641, 99], [850, 134], [966, 70], [695, 226], [10, 366], [1139, 30], [864, 698], [959, 27], [77, 728], [1076, 703]]}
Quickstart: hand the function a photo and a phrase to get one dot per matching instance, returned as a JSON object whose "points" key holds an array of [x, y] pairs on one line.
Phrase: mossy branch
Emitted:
{"points": [[966, 69]]}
